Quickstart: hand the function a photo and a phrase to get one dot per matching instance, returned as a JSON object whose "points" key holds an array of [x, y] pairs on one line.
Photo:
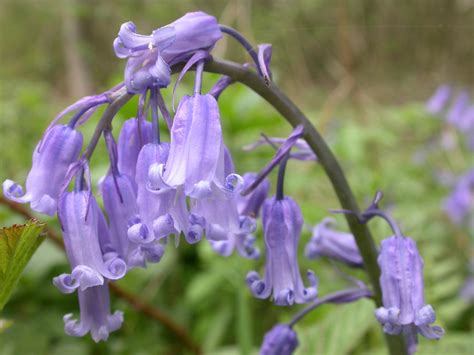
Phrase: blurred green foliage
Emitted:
{"points": [[395, 147]]}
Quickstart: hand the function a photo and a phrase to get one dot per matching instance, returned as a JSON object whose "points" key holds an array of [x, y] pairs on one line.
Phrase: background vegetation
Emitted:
{"points": [[360, 70]]}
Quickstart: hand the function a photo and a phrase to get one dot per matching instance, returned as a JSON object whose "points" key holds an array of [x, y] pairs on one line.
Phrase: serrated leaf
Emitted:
{"points": [[17, 245], [340, 332]]}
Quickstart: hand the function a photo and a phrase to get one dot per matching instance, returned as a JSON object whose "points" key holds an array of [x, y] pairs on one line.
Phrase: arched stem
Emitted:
{"points": [[331, 166]]}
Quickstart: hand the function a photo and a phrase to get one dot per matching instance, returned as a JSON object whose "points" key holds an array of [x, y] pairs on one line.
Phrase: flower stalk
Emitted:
{"points": [[328, 161]]}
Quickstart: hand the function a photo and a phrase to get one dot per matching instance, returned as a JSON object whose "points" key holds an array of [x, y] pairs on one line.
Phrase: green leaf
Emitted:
{"points": [[17, 245]]}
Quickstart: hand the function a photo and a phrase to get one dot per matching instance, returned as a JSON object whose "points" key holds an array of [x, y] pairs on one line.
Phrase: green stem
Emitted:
{"points": [[294, 116]]}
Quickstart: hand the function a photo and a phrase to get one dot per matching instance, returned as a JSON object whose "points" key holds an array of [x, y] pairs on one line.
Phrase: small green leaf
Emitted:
{"points": [[17, 245]]}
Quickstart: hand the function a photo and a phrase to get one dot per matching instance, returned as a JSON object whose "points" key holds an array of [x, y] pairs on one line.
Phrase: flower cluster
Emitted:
{"points": [[155, 190], [404, 311]]}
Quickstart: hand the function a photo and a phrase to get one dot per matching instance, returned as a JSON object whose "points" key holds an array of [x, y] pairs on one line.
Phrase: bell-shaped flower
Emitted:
{"points": [[225, 229], [460, 203], [80, 217], [150, 57], [120, 203], [133, 136], [404, 309], [196, 148], [282, 223], [250, 204], [437, 103], [95, 316], [333, 244], [162, 209], [458, 108], [145, 67], [59, 148], [280, 340], [195, 31]]}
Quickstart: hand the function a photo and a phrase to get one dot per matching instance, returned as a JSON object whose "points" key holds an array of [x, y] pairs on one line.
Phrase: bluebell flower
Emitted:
{"points": [[120, 203], [437, 103], [90, 261], [460, 203], [59, 148], [150, 57], [280, 340], [225, 229], [458, 108], [282, 223], [404, 310], [163, 209], [195, 31], [134, 134], [196, 155], [333, 244], [95, 316]]}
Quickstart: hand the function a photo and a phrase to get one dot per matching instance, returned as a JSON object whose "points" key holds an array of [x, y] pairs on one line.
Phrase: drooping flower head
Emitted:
{"points": [[331, 243], [280, 340], [404, 309], [196, 155], [95, 316], [150, 57], [133, 136], [89, 253], [59, 148], [282, 223]]}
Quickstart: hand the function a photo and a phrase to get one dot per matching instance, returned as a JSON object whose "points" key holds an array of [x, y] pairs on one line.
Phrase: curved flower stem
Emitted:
{"points": [[344, 296], [131, 298], [295, 117]]}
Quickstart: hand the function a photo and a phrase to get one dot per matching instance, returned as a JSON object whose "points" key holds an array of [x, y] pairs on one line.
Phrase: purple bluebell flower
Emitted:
{"points": [[404, 309], [460, 203], [163, 209], [133, 136], [80, 217], [333, 244], [150, 57], [196, 148], [195, 31], [458, 108], [282, 223], [250, 204], [280, 340], [95, 316], [59, 148], [145, 67], [466, 123], [437, 103], [120, 203], [225, 229]]}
